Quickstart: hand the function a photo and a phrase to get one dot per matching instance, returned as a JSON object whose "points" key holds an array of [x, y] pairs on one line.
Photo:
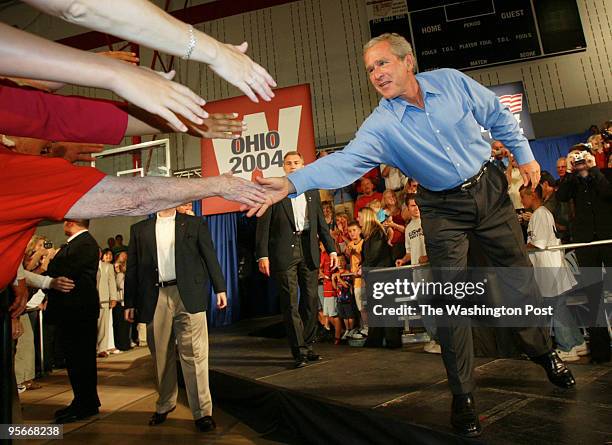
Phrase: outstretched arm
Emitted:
{"points": [[114, 196], [25, 55], [150, 26]]}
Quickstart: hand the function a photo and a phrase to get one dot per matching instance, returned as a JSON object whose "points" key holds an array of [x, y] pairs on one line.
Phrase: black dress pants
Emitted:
{"points": [[485, 212], [79, 340], [299, 313]]}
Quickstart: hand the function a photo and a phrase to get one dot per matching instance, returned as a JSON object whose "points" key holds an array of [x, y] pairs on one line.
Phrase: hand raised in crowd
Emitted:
{"points": [[590, 160], [216, 126], [155, 92], [530, 172], [62, 284], [399, 263], [526, 216], [423, 259], [124, 56], [264, 266], [74, 151], [237, 68], [221, 300]]}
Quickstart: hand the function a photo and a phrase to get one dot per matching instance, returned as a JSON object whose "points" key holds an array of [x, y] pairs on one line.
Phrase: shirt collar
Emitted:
{"points": [[399, 105], [75, 235], [166, 218]]}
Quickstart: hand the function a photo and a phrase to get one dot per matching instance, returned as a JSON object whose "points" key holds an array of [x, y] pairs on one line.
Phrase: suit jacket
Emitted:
{"points": [[107, 284], [376, 252], [78, 260], [593, 204], [275, 229], [195, 261]]}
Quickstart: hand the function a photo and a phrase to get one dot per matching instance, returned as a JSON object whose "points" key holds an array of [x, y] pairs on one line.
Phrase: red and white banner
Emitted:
{"points": [[273, 129]]}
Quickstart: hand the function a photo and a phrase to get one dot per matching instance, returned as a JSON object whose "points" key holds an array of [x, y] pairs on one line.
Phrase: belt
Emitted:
{"points": [[301, 232], [467, 184], [166, 283]]}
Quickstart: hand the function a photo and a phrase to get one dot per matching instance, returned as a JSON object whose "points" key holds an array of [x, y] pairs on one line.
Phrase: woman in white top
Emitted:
{"points": [[107, 290]]}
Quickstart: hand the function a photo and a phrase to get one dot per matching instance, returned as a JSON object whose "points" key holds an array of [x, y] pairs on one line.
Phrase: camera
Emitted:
{"points": [[606, 134], [580, 158], [48, 245]]}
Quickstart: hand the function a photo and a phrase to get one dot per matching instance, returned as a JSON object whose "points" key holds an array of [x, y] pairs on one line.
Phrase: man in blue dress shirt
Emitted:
{"points": [[428, 126]]}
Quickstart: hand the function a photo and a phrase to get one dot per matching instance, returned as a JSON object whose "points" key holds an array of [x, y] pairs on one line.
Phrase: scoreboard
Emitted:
{"points": [[468, 34]]}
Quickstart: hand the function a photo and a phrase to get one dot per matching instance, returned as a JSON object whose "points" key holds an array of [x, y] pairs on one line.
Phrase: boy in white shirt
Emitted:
{"points": [[416, 254], [551, 273]]}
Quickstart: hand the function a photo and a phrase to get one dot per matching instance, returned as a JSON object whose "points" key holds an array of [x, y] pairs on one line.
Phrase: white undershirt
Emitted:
{"points": [[300, 210], [165, 236]]}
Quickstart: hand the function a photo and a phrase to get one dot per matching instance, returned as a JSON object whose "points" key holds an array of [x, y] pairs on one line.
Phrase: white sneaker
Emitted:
{"points": [[364, 332], [581, 350], [432, 347], [570, 356], [21, 388], [356, 335], [346, 334]]}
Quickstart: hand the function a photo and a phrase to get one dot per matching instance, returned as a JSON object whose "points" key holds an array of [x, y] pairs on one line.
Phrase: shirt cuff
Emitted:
{"points": [[298, 179], [262, 258], [46, 284], [522, 153]]}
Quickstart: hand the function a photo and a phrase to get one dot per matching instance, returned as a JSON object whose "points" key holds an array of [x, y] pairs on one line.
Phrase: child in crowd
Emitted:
{"points": [[381, 216], [552, 274], [340, 232], [342, 281], [329, 311], [353, 252], [417, 254]]}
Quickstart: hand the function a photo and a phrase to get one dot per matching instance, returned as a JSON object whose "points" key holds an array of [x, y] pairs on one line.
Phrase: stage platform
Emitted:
{"points": [[379, 396]]}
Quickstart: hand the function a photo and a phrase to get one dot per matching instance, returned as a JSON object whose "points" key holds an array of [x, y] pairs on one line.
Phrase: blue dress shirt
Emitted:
{"points": [[440, 146]]}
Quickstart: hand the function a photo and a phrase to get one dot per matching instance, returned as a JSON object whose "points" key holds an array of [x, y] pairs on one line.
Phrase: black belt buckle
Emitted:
{"points": [[163, 284], [474, 179]]}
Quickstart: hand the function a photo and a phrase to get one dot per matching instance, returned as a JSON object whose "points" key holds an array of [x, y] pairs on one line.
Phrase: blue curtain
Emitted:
{"points": [[548, 150], [223, 232]]}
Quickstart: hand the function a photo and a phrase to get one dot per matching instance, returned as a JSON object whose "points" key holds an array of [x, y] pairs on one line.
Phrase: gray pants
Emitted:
{"points": [[173, 327], [486, 213]]}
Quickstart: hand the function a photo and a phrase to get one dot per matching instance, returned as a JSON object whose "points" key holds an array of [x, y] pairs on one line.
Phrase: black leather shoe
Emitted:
{"points": [[205, 424], [74, 415], [300, 361], [311, 356], [158, 418], [464, 417], [63, 411], [557, 372]]}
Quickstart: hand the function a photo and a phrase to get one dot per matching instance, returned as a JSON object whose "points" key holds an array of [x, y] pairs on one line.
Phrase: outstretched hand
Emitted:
{"points": [[74, 151], [124, 56], [237, 68], [155, 92], [217, 126], [275, 189]]}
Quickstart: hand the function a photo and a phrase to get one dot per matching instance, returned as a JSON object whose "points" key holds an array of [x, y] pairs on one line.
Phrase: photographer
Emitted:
{"points": [[590, 191]]}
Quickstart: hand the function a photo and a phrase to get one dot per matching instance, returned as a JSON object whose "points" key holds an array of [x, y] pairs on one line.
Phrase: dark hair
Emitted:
{"points": [[527, 189], [548, 178], [408, 197], [119, 236], [105, 251], [353, 224], [80, 222]]}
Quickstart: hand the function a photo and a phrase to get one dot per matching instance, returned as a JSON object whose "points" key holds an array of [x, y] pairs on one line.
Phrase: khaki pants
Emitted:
{"points": [[173, 326]]}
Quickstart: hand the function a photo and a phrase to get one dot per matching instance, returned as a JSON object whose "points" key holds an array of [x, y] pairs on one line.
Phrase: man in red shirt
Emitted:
{"points": [[367, 194]]}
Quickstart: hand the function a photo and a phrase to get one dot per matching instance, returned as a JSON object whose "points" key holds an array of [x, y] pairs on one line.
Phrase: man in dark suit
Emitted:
{"points": [[288, 247], [76, 315], [171, 262]]}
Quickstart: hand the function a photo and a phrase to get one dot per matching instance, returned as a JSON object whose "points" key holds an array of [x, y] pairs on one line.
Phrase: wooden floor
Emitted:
{"points": [[127, 392]]}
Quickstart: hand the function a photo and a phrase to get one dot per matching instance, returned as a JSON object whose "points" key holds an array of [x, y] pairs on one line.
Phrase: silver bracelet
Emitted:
{"points": [[191, 45]]}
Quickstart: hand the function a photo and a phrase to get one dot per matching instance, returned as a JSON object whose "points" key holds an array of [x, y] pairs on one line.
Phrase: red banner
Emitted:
{"points": [[273, 129]]}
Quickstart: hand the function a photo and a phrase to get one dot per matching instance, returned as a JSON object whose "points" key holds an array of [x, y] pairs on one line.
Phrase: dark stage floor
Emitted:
{"points": [[403, 390]]}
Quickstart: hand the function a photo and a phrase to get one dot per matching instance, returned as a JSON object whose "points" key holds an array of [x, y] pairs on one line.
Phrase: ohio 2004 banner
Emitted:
{"points": [[273, 129]]}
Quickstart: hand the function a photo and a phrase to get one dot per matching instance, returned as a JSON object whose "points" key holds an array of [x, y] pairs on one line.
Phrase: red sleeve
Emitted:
{"points": [[35, 114], [34, 187]]}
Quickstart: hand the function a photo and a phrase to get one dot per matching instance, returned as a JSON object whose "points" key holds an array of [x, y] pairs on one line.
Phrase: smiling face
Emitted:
{"points": [[390, 75]]}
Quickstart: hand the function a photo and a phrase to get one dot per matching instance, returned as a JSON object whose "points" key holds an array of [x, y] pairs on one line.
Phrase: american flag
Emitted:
{"points": [[513, 101]]}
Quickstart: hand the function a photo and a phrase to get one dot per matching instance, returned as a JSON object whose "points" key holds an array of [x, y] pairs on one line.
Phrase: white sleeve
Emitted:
{"points": [[37, 281], [407, 241], [538, 230]]}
